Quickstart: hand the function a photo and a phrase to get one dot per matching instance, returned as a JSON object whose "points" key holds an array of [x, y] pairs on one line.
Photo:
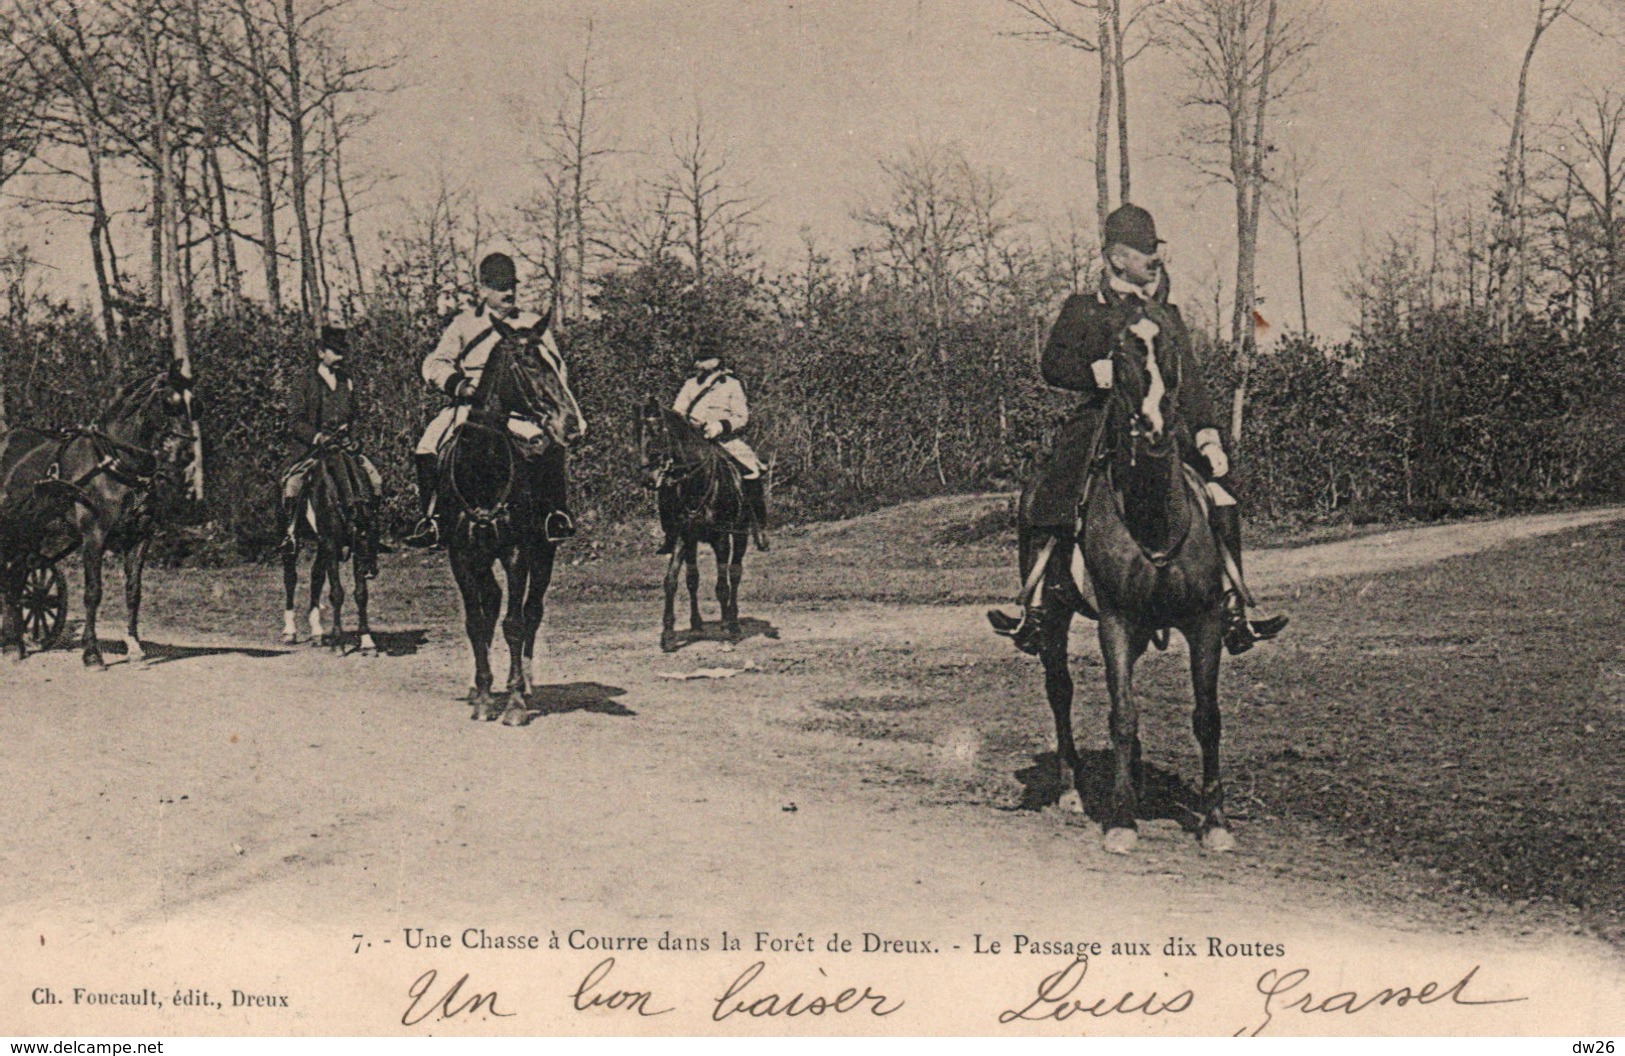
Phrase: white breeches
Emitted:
{"points": [[456, 415], [742, 453], [442, 424]]}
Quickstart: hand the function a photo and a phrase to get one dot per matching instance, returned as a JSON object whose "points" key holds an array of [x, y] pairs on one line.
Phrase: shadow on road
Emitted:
{"points": [[1163, 796], [160, 653], [711, 631], [594, 697], [400, 643]]}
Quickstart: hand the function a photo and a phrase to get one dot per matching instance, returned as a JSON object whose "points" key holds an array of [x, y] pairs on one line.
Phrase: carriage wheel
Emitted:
{"points": [[44, 606]]}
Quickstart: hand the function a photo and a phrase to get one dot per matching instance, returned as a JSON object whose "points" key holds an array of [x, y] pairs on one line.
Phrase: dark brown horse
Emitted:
{"points": [[700, 489], [106, 482], [333, 513], [493, 498], [1153, 564]]}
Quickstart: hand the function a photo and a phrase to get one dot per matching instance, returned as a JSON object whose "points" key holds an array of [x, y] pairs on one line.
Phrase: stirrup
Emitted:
{"points": [[1026, 633], [558, 527], [425, 534]]}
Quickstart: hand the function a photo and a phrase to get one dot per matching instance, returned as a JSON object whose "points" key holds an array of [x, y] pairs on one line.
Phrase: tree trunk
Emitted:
{"points": [[1103, 121], [1120, 72], [309, 294], [1249, 203]]}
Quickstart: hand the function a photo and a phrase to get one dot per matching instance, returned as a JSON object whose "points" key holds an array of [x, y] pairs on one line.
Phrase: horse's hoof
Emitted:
{"points": [[368, 650], [668, 642], [515, 715], [733, 633], [289, 637], [1218, 840], [1121, 841], [94, 662], [1070, 802]]}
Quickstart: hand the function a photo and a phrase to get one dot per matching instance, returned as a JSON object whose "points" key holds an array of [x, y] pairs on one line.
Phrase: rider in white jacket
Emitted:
{"points": [[714, 400]]}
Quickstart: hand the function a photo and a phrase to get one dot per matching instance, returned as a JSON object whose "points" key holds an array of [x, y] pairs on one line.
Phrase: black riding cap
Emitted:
{"points": [[1131, 226], [498, 273], [337, 339]]}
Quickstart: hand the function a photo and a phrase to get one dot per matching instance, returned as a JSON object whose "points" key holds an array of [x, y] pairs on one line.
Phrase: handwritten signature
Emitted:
{"points": [[449, 1004], [1054, 999], [1275, 985]]}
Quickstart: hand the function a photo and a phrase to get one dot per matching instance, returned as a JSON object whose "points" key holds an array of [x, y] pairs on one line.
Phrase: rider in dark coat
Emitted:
{"points": [[323, 409], [1130, 305]]}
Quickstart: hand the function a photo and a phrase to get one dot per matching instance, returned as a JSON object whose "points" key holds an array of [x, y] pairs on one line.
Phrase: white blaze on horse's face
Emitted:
{"points": [[1151, 407]]}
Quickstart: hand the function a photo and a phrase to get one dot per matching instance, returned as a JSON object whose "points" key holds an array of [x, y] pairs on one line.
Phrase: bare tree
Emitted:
{"points": [[1240, 56], [1297, 217], [1508, 266], [709, 213], [1581, 197], [1063, 22]]}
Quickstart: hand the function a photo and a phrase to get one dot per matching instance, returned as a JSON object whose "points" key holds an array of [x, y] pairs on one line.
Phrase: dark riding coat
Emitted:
{"points": [[1090, 328], [318, 409]]}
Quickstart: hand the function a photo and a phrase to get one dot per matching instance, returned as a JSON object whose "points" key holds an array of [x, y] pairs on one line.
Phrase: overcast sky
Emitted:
{"points": [[805, 95]]}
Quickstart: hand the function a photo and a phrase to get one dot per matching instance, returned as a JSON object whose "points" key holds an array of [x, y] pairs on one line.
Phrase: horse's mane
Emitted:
{"points": [[131, 396]]}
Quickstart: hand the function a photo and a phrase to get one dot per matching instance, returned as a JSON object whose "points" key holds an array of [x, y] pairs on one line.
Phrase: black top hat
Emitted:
{"points": [[336, 338], [1131, 226], [497, 272]]}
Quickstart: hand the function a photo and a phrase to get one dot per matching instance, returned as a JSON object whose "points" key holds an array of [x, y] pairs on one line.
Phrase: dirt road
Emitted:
{"points": [[231, 813]]}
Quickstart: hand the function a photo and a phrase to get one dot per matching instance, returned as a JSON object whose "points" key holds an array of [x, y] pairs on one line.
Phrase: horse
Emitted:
{"points": [[1153, 564], [700, 487], [332, 513], [490, 493], [105, 483]]}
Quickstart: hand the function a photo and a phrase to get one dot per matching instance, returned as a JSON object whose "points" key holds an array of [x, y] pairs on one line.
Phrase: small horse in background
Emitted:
{"points": [[108, 482], [1154, 564], [491, 495], [332, 512], [700, 488]]}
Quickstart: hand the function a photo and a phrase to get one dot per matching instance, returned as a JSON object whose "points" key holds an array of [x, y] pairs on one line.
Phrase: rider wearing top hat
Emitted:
{"points": [[323, 409], [713, 399], [1130, 305], [455, 367]]}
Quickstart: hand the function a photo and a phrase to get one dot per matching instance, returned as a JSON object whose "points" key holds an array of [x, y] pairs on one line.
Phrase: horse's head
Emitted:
{"points": [[1141, 406], [1142, 431], [532, 382], [157, 415], [667, 441]]}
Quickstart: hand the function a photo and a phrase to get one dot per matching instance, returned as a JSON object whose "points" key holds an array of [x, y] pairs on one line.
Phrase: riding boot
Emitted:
{"points": [[1240, 633], [756, 497], [290, 523], [555, 486], [369, 540], [1027, 633], [668, 521], [426, 533]]}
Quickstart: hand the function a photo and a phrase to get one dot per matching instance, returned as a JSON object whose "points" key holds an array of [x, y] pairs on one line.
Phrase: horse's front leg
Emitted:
{"points": [[1121, 645], [135, 560], [482, 599], [1205, 639], [691, 557], [11, 619], [93, 600], [730, 570], [290, 587], [516, 563], [318, 579], [335, 595], [668, 618], [1053, 652], [358, 576]]}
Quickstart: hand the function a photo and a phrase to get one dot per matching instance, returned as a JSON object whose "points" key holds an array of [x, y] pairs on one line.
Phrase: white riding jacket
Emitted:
{"points": [[716, 402], [461, 355]]}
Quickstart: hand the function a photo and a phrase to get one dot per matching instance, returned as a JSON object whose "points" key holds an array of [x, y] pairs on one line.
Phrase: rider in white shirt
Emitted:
{"points": [[714, 400]]}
